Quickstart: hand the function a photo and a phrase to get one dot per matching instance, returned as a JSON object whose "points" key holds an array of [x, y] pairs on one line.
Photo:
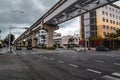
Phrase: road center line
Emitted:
{"points": [[109, 78], [45, 57], [60, 61], [118, 64], [52, 59], [116, 74], [33, 52], [94, 71], [99, 61], [73, 65], [84, 58]]}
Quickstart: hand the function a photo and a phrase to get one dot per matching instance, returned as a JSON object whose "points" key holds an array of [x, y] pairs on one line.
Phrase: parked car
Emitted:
{"points": [[80, 48], [101, 48], [18, 48], [29, 47]]}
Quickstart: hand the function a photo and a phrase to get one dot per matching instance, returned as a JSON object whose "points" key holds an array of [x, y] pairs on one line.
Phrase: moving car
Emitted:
{"points": [[101, 48]]}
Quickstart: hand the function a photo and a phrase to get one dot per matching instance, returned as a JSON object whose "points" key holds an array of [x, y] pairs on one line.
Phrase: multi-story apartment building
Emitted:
{"points": [[102, 21], [42, 38]]}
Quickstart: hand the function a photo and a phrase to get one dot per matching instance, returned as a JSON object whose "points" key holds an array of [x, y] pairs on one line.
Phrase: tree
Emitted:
{"points": [[12, 38], [118, 32], [111, 35]]}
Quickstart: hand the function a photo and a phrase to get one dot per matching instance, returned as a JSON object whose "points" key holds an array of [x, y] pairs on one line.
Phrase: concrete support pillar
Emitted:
{"points": [[34, 43], [50, 29], [50, 38]]}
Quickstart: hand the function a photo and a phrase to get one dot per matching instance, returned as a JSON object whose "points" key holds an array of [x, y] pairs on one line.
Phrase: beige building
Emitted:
{"points": [[65, 40], [102, 21]]}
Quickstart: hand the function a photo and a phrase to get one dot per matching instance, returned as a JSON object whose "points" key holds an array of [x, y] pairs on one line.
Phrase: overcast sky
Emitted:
{"points": [[33, 10]]}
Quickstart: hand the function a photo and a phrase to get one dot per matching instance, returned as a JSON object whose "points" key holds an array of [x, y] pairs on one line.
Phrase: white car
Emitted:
{"points": [[80, 48]]}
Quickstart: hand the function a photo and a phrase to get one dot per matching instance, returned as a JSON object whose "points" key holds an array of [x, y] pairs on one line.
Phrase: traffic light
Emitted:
{"points": [[0, 31]]}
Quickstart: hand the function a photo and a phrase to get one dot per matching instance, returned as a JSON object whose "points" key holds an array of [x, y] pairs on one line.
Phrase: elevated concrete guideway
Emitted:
{"points": [[72, 8], [63, 11]]}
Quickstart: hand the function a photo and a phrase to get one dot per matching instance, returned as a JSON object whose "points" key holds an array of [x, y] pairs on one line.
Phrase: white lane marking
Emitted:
{"points": [[118, 64], [60, 61], [24, 53], [116, 74], [109, 78], [94, 71], [45, 57], [40, 55], [99, 61], [52, 59], [73, 65], [84, 58], [112, 56], [33, 52]]}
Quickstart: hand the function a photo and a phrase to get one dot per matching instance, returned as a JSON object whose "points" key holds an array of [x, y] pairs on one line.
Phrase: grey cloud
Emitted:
{"points": [[33, 10]]}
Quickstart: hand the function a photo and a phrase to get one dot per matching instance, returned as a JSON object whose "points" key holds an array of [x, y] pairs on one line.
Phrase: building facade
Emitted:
{"points": [[75, 42], [41, 38], [100, 22]]}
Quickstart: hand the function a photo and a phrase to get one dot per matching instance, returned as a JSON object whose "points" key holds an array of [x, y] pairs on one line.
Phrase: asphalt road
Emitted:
{"points": [[60, 65]]}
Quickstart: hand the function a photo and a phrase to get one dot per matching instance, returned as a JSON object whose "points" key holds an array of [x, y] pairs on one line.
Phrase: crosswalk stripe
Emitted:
{"points": [[116, 74], [106, 77]]}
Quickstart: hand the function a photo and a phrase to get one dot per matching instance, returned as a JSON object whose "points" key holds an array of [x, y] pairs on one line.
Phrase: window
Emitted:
{"points": [[103, 12], [110, 21], [113, 22], [116, 11], [103, 26], [110, 15], [113, 16], [116, 17], [116, 23], [106, 13], [114, 28], [107, 27], [110, 8], [104, 19], [111, 28]]}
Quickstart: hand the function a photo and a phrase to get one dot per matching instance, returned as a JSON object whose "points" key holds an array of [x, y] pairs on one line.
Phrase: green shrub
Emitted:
{"points": [[50, 48]]}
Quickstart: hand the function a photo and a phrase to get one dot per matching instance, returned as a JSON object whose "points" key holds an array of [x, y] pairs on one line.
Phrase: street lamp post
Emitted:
{"points": [[10, 50]]}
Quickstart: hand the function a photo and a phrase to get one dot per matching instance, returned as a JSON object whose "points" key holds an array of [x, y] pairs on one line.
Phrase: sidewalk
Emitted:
{"points": [[3, 50]]}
